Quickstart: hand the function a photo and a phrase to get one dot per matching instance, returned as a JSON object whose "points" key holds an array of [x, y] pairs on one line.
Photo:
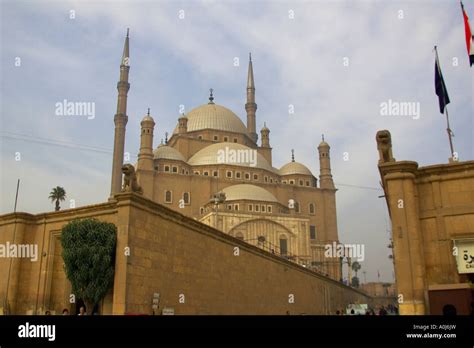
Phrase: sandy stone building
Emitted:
{"points": [[214, 170], [432, 213], [211, 226]]}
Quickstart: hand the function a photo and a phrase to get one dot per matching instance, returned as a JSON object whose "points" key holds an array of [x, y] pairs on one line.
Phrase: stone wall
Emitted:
{"points": [[430, 208], [194, 268]]}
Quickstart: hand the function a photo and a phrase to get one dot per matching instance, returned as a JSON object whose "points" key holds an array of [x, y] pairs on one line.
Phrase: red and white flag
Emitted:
{"points": [[469, 36]]}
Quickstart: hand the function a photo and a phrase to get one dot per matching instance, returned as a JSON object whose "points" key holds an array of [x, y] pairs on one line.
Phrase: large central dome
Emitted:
{"points": [[213, 116]]}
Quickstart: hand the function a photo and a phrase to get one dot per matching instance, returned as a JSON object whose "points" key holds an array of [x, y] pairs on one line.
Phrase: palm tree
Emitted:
{"points": [[356, 267], [57, 194]]}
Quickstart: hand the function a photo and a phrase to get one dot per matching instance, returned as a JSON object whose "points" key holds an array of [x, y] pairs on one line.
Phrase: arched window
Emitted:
{"points": [[283, 245], [186, 197], [311, 208], [168, 197], [297, 207]]}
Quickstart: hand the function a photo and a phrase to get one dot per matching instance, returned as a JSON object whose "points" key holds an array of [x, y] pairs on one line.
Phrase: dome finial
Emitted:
{"points": [[211, 97], [292, 155], [166, 138], [148, 113], [322, 136], [250, 56]]}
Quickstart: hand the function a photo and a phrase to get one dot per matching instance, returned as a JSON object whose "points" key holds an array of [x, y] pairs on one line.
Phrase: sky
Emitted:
{"points": [[333, 62]]}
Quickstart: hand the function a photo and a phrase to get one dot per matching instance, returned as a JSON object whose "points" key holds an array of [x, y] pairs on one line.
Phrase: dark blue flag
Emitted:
{"points": [[441, 91]]}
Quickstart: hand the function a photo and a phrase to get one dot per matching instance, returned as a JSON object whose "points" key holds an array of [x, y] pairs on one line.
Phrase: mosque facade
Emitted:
{"points": [[214, 169]]}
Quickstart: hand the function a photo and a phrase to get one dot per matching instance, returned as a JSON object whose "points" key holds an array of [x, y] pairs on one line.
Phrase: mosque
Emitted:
{"points": [[214, 169]]}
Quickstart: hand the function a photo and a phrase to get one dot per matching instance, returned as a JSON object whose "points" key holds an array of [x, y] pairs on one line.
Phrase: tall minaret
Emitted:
{"points": [[145, 155], [325, 176], [250, 106], [120, 120]]}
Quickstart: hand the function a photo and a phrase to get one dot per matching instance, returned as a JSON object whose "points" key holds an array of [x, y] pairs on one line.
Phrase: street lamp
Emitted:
{"points": [[217, 198]]}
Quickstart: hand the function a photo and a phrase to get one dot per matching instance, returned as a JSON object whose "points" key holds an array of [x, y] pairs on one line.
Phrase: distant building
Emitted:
{"points": [[383, 294], [432, 213]]}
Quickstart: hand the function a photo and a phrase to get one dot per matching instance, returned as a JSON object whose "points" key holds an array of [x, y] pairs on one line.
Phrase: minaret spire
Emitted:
{"points": [[250, 79], [126, 51], [251, 106], [120, 120]]}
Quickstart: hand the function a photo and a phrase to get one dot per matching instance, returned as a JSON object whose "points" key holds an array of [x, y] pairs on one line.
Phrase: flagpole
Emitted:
{"points": [[6, 305], [450, 132], [448, 128], [16, 196]]}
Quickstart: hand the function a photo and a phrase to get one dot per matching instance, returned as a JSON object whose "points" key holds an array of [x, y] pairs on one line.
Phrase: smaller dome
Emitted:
{"points": [[323, 144], [294, 168], [248, 192], [167, 152], [148, 118]]}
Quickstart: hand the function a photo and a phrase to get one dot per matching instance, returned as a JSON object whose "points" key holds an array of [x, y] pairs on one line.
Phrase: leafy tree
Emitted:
{"points": [[57, 194], [356, 267], [89, 258], [355, 282]]}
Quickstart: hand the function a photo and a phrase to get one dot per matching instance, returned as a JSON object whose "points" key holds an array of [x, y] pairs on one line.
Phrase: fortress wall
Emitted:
{"points": [[213, 273], [170, 254]]}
